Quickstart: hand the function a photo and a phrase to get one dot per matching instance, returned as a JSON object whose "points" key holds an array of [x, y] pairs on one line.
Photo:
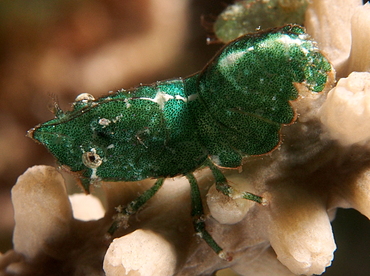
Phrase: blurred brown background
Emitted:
{"points": [[59, 49]]}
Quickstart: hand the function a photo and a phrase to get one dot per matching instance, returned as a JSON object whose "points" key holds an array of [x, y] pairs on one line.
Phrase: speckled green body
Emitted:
{"points": [[233, 108], [148, 132]]}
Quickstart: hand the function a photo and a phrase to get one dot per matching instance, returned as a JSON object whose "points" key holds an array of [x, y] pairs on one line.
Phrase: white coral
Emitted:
{"points": [[347, 108], [86, 207], [149, 253]]}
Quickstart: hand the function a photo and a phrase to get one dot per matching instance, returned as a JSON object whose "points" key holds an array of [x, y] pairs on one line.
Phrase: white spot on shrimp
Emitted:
{"points": [[161, 98], [117, 119], [93, 173], [193, 97], [303, 36], [215, 159], [178, 97], [84, 97], [104, 122], [128, 105], [232, 58]]}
